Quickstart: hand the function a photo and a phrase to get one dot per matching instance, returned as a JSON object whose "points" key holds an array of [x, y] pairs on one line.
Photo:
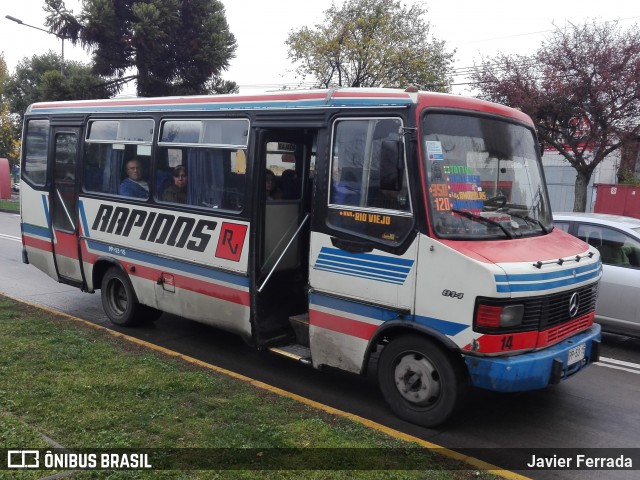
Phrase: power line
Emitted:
{"points": [[536, 33], [466, 71]]}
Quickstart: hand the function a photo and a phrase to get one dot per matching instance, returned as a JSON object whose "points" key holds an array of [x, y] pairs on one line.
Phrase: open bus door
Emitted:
{"points": [[282, 244], [63, 204]]}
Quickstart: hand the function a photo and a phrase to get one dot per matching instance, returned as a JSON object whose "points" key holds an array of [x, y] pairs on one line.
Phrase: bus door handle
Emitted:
{"points": [[352, 246]]}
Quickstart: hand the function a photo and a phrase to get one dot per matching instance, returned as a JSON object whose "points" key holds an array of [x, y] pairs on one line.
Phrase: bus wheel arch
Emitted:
{"points": [[119, 299], [393, 329], [422, 381], [99, 269]]}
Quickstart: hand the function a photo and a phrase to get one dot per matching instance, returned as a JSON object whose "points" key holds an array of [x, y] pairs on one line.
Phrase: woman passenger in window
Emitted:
{"points": [[271, 187], [177, 191]]}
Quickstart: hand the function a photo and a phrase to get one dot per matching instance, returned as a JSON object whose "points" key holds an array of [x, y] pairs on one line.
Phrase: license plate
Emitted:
{"points": [[576, 354]]}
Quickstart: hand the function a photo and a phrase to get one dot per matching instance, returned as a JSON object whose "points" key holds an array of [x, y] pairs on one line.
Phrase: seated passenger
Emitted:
{"points": [[134, 185], [177, 191], [271, 187], [290, 185]]}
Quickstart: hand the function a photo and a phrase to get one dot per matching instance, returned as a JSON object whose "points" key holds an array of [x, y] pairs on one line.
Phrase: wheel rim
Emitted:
{"points": [[417, 380], [117, 297]]}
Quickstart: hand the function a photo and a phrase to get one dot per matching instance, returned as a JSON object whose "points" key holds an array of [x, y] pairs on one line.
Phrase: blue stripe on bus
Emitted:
{"points": [[537, 277], [36, 231], [442, 326], [367, 259], [168, 263], [383, 315], [354, 308], [46, 210], [515, 284], [364, 265], [83, 219], [349, 266], [353, 273]]}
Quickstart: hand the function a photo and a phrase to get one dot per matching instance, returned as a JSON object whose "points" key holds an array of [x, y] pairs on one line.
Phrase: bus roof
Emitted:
{"points": [[299, 99], [303, 99]]}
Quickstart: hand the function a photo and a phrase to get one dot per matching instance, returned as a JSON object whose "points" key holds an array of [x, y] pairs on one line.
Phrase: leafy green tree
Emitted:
{"points": [[582, 89], [371, 43], [9, 144], [39, 79], [177, 47]]}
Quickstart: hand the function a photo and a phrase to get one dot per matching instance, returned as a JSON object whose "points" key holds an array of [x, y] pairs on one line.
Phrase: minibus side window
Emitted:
{"points": [[110, 146], [35, 152], [210, 154], [361, 200]]}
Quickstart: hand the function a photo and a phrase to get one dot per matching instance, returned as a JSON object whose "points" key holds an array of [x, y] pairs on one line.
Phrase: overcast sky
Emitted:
{"points": [[473, 28]]}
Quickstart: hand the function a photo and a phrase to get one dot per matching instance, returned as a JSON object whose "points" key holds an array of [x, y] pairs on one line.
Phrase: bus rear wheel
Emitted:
{"points": [[119, 299], [419, 381]]}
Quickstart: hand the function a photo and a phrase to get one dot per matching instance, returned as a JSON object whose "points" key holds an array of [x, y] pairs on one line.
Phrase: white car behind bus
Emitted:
{"points": [[618, 240]]}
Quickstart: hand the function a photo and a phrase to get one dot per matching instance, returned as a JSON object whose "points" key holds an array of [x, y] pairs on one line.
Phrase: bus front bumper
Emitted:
{"points": [[535, 370]]}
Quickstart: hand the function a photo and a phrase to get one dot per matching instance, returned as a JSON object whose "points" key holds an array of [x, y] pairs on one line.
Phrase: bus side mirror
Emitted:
{"points": [[391, 165]]}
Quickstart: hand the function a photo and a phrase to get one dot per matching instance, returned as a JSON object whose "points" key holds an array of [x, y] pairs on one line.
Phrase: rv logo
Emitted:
{"points": [[163, 228]]}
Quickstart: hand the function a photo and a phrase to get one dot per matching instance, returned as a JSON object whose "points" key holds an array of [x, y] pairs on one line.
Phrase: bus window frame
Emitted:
{"points": [[24, 172], [408, 216], [231, 148]]}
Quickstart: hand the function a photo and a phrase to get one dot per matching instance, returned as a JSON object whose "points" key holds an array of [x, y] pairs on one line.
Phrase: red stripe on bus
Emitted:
{"points": [[504, 343], [67, 245], [343, 325], [36, 243], [208, 288], [533, 339]]}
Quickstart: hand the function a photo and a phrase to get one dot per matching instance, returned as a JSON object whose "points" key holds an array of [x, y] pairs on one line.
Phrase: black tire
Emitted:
{"points": [[419, 381], [119, 300]]}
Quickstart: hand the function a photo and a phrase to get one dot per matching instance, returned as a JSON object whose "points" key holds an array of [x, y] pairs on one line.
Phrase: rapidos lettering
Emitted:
{"points": [[164, 228]]}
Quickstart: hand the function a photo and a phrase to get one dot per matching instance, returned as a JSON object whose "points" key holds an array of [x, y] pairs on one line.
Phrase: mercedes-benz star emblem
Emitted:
{"points": [[574, 304]]}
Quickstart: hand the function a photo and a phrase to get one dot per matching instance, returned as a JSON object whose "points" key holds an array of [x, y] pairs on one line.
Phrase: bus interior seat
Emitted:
{"points": [[93, 179], [163, 180], [290, 185]]}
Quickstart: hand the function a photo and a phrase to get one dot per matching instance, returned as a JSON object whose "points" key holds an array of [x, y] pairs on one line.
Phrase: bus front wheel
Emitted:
{"points": [[419, 381], [119, 299]]}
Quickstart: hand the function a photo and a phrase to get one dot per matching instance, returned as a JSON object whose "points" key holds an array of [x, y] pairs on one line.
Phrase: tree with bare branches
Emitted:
{"points": [[582, 89]]}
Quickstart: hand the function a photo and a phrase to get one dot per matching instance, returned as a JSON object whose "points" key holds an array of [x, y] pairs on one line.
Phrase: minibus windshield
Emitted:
{"points": [[484, 178]]}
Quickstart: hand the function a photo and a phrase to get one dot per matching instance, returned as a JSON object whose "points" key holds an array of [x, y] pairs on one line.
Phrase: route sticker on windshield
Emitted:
{"points": [[434, 150]]}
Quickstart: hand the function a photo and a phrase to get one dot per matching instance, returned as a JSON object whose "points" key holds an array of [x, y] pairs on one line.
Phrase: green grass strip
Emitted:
{"points": [[10, 205], [86, 389]]}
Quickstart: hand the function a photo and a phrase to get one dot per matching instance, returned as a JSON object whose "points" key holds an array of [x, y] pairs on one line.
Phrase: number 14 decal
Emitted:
{"points": [[507, 342]]}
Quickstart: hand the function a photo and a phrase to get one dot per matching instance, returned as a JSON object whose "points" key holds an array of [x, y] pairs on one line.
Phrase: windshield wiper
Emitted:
{"points": [[473, 216], [530, 219]]}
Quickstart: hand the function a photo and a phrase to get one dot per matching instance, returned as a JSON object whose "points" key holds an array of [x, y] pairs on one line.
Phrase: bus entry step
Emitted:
{"points": [[294, 351]]}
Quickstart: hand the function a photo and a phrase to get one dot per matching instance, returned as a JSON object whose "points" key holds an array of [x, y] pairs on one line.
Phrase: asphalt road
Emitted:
{"points": [[599, 408]]}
